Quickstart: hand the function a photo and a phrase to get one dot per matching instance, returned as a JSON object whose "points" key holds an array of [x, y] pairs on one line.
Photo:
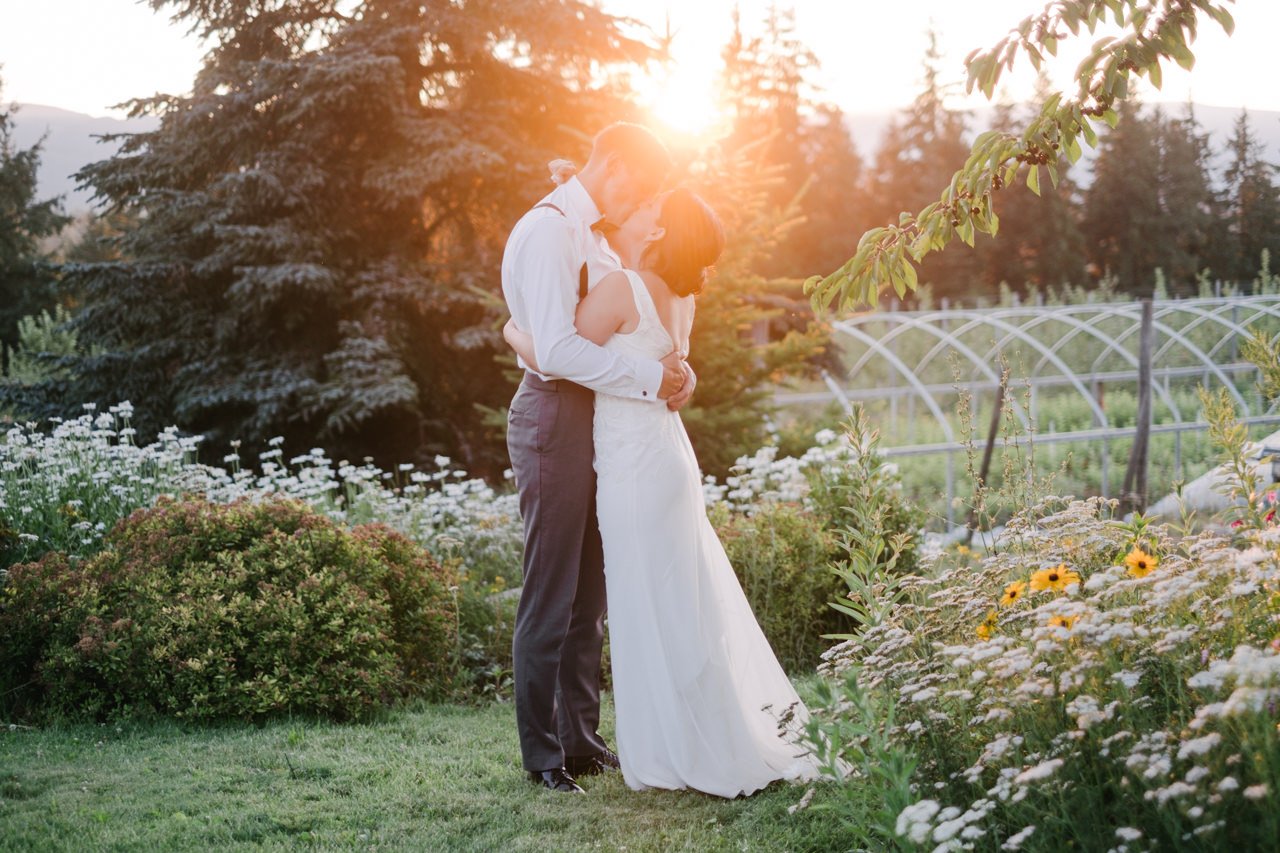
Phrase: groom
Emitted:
{"points": [[553, 256]]}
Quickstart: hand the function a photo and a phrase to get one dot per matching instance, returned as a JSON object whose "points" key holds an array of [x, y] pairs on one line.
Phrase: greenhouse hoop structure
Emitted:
{"points": [[914, 366]]}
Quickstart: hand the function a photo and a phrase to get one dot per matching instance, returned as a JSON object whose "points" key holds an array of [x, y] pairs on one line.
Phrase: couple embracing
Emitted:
{"points": [[601, 278]]}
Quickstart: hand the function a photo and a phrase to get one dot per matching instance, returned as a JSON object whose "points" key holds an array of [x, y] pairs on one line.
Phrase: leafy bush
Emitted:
{"points": [[248, 609], [780, 555]]}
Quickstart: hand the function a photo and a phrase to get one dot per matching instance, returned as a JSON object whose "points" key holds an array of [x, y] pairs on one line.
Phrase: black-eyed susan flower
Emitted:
{"points": [[1057, 579], [1140, 563], [987, 627], [1012, 593], [1063, 622]]}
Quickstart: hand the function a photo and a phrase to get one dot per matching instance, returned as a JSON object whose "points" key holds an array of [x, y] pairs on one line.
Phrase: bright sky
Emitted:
{"points": [[87, 55]]}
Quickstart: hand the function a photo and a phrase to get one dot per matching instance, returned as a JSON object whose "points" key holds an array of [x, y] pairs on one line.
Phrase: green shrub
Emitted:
{"points": [[247, 609], [781, 555]]}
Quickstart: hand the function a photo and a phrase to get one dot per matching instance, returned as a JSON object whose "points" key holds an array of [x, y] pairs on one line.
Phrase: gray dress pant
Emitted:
{"points": [[559, 632]]}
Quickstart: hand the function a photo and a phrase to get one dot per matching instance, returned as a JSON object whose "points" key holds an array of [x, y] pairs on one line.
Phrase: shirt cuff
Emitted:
{"points": [[650, 375]]}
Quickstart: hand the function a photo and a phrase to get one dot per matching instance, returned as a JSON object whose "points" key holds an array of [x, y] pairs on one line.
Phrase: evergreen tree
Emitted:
{"points": [[1190, 237], [26, 276], [738, 371], [1039, 244], [320, 222], [1122, 210], [921, 149], [1152, 204], [1252, 203], [766, 88]]}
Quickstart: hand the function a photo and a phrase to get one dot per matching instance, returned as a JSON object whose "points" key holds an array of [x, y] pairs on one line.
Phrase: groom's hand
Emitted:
{"points": [[673, 378], [677, 400]]}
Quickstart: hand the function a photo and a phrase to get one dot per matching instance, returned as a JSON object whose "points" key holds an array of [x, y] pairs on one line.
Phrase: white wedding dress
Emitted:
{"points": [[697, 689]]}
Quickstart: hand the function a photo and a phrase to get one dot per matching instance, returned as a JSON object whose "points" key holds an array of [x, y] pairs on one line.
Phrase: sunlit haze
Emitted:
{"points": [[87, 55]]}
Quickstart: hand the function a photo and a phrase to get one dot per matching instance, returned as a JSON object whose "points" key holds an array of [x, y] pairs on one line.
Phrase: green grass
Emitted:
{"points": [[434, 777]]}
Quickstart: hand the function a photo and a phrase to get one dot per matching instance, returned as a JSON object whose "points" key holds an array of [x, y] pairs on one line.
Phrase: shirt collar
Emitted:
{"points": [[579, 202]]}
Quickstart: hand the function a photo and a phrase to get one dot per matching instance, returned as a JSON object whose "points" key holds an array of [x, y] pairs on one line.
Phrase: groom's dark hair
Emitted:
{"points": [[635, 145]]}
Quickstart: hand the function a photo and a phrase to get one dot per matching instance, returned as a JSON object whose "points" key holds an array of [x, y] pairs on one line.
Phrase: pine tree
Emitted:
{"points": [[1039, 245], [921, 149], [26, 276], [1122, 211], [320, 222], [738, 371], [1189, 237], [766, 87], [1252, 203]]}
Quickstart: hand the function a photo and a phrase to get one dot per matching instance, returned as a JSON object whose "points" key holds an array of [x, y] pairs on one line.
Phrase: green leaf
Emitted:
{"points": [[1155, 75], [1033, 179], [1073, 150], [909, 275]]}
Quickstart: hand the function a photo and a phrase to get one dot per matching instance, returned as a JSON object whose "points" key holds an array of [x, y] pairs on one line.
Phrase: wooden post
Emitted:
{"points": [[972, 521], [1134, 493]]}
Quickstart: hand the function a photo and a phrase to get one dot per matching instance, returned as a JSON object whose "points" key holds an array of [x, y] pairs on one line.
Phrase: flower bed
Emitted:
{"points": [[1088, 683]]}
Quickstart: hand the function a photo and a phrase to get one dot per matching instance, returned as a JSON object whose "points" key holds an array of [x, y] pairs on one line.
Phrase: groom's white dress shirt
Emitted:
{"points": [[540, 270]]}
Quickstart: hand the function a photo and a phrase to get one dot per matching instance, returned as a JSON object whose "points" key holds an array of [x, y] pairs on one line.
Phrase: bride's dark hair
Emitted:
{"points": [[693, 241]]}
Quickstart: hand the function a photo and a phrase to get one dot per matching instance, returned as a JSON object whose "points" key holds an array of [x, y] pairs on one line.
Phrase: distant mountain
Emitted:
{"points": [[869, 128], [71, 145]]}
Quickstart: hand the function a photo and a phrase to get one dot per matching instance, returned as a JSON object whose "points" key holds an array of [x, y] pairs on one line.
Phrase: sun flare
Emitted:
{"points": [[682, 102]]}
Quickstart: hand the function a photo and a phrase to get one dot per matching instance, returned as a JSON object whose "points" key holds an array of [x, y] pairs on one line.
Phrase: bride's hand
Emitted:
{"points": [[677, 401], [562, 170]]}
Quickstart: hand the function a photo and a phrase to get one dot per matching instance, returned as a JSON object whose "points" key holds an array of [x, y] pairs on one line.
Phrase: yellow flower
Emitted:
{"points": [[1141, 563], [1057, 579], [987, 627], [1012, 593], [1063, 622]]}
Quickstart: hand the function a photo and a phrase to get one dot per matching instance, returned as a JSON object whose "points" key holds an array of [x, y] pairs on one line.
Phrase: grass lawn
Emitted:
{"points": [[434, 777]]}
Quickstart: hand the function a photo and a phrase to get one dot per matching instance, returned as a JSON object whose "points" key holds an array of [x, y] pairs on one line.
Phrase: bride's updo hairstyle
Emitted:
{"points": [[693, 240]]}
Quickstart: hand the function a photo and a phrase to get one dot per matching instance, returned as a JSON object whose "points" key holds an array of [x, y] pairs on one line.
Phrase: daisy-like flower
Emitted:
{"points": [[987, 626], [1012, 593], [1141, 563], [1057, 579], [1063, 622]]}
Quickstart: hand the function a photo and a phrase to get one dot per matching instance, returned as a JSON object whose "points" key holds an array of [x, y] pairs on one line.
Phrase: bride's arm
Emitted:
{"points": [[606, 308], [601, 313], [522, 343]]}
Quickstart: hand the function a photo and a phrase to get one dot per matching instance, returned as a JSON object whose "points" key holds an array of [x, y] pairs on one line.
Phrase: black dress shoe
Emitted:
{"points": [[556, 780], [592, 765]]}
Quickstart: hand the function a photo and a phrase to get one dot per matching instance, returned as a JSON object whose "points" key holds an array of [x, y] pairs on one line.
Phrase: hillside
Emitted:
{"points": [[72, 142]]}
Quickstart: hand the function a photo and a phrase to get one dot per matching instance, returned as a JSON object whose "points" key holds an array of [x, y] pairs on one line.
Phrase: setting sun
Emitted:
{"points": [[682, 101]]}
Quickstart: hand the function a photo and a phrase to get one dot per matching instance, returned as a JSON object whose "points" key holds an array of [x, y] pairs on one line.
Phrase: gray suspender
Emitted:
{"points": [[582, 273]]}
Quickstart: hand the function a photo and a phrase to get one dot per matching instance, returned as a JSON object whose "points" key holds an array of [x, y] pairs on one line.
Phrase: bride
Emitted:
{"points": [[698, 691]]}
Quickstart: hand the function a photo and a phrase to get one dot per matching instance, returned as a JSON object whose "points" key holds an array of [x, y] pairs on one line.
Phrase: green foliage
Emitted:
{"points": [[42, 341], [1132, 694], [1252, 203], [314, 225], [243, 610], [751, 333], [1150, 211], [1150, 37], [780, 553], [26, 277], [877, 528]]}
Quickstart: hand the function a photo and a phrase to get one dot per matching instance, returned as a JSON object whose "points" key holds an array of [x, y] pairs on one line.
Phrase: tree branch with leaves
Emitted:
{"points": [[1152, 34]]}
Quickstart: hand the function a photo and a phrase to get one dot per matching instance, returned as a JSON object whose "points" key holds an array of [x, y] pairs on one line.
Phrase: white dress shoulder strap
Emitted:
{"points": [[643, 298]]}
